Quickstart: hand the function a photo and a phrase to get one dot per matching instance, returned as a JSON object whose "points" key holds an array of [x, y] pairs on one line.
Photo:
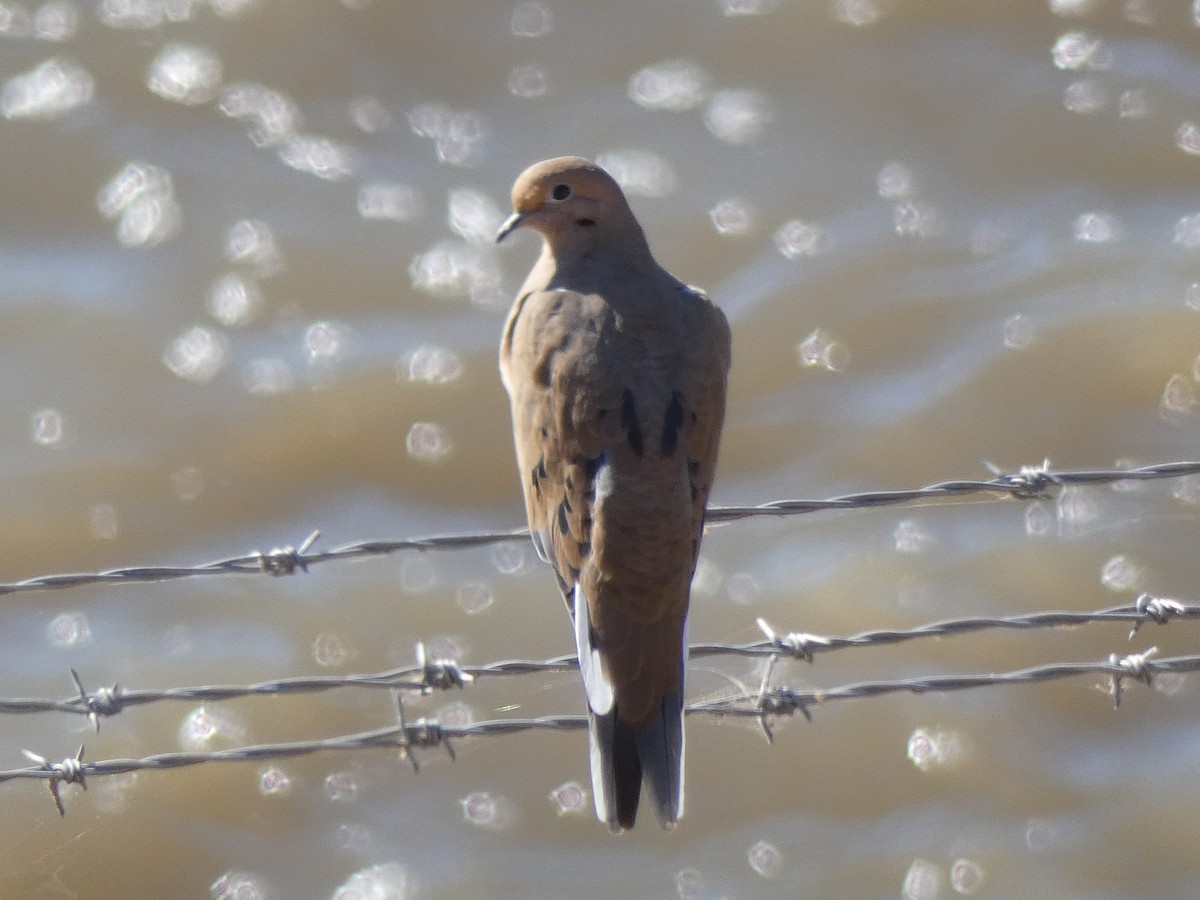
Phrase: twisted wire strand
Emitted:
{"points": [[765, 704], [1027, 483], [427, 675]]}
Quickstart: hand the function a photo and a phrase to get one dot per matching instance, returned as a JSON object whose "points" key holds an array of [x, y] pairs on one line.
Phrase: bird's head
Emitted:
{"points": [[567, 200]]}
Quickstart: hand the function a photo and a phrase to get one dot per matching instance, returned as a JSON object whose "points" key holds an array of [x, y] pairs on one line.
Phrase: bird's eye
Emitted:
{"points": [[560, 192]]}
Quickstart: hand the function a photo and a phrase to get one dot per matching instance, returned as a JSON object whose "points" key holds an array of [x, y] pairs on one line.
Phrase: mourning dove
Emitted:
{"points": [[616, 374]]}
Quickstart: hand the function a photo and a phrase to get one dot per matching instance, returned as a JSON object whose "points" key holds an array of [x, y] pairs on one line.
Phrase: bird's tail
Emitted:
{"points": [[623, 754]]}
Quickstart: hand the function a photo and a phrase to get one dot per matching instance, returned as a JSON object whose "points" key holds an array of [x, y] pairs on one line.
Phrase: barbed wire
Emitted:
{"points": [[1027, 483], [429, 674], [764, 705]]}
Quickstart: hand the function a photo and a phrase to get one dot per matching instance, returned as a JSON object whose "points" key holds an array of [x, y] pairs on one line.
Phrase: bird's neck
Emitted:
{"points": [[598, 251]]}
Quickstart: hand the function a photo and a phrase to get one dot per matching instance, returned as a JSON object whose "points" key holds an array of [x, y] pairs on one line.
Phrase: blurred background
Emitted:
{"points": [[248, 289]]}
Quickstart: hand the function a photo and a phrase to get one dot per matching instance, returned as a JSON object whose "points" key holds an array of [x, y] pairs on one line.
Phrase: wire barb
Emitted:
{"points": [[105, 702], [423, 733], [286, 560], [796, 644], [1029, 482], [440, 674], [1134, 665], [1160, 609], [70, 771]]}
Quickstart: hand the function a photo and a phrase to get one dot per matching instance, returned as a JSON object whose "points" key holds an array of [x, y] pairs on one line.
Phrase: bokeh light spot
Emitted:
{"points": [[69, 629], [49, 91], [738, 116], [197, 355], [474, 598], [319, 156], [341, 787], [57, 21], [47, 427], [273, 782], [1119, 574], [569, 798], [252, 242], [797, 239], [385, 881], [185, 74], [730, 216], [922, 881], [234, 300], [676, 85], [238, 886], [966, 876], [430, 364], [528, 82], [142, 199], [331, 650], [428, 441], [272, 116], [639, 172], [765, 859], [531, 19], [389, 201]]}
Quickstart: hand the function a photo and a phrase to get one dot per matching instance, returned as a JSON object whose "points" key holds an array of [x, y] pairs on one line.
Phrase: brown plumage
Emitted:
{"points": [[616, 374]]}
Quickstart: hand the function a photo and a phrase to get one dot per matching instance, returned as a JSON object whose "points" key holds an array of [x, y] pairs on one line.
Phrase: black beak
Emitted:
{"points": [[511, 224]]}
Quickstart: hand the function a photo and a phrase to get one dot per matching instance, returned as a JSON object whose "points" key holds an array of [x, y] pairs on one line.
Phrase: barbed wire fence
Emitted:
{"points": [[764, 704]]}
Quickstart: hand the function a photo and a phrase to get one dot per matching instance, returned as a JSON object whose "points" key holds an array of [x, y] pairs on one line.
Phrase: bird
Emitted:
{"points": [[616, 373]]}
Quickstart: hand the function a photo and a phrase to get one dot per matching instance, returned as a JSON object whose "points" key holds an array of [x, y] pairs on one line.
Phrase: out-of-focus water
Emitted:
{"points": [[247, 289]]}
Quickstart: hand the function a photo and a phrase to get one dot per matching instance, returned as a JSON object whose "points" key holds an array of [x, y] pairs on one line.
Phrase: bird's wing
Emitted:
{"points": [[564, 395], [616, 425], [646, 535], [704, 382]]}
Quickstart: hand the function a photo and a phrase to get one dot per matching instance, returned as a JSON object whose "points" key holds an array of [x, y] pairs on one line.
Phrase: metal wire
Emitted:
{"points": [[1028, 483], [764, 705], [428, 675]]}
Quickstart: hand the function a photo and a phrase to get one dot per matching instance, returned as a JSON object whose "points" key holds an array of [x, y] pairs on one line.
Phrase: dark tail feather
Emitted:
{"points": [[616, 770], [622, 754], [660, 748]]}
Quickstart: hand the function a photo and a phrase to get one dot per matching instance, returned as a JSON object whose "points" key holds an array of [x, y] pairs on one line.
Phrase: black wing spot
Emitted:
{"points": [[629, 421], [564, 526], [585, 547], [672, 423], [585, 223], [590, 465]]}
